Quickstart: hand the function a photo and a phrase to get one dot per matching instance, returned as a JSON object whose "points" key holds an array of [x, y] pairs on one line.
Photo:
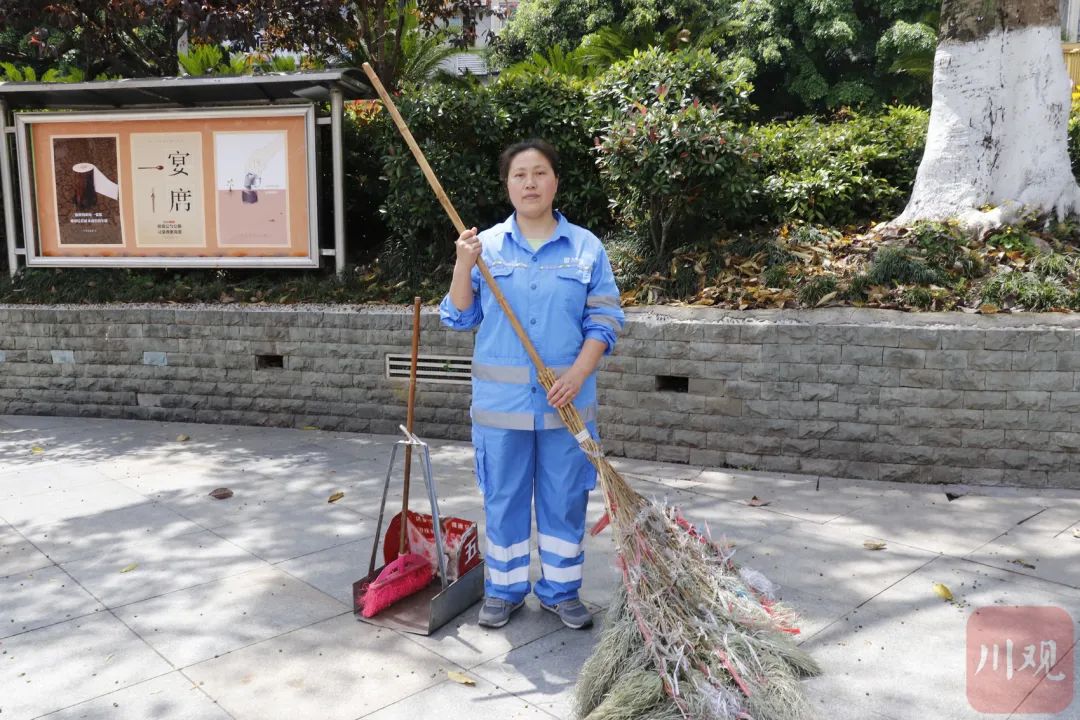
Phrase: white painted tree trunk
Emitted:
{"points": [[998, 131]]}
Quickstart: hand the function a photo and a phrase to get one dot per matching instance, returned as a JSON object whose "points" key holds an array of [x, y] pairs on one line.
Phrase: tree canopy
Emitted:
{"points": [[807, 54]]}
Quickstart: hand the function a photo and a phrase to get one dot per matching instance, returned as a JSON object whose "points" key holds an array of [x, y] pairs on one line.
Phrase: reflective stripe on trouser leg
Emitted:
{"points": [[505, 466], [564, 477]]}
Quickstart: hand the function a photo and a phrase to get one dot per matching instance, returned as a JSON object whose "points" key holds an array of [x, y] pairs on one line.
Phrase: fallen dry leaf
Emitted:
{"points": [[1022, 563], [221, 493], [943, 592], [309, 427], [335, 497], [988, 309], [873, 544], [758, 502], [130, 567], [826, 298], [182, 438], [460, 678], [37, 449]]}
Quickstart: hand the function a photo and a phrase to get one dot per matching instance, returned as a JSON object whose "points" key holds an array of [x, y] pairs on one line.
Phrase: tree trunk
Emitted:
{"points": [[999, 118]]}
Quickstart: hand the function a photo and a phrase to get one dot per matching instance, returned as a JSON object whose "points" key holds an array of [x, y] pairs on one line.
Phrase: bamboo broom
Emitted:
{"points": [[711, 633]]}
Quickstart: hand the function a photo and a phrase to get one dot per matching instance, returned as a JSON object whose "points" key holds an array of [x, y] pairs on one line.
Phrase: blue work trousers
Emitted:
{"points": [[514, 468]]}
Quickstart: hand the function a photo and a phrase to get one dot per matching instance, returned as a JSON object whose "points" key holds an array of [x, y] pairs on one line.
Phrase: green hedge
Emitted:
{"points": [[657, 149]]}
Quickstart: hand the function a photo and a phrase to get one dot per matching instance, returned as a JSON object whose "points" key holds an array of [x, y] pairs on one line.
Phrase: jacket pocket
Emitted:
{"points": [[573, 285]]}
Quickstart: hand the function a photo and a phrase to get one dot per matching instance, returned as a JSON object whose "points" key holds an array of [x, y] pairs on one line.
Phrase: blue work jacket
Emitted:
{"points": [[561, 294]]}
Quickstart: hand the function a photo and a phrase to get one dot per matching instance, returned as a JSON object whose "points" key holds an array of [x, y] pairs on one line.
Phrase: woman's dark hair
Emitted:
{"points": [[541, 146]]}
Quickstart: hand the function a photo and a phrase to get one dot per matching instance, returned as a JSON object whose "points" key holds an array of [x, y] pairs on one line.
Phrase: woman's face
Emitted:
{"points": [[531, 184]]}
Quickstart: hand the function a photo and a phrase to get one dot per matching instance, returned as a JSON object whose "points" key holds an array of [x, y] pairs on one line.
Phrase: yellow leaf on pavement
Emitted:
{"points": [[182, 438], [873, 544], [309, 427], [37, 449], [335, 497], [460, 677], [130, 567], [943, 592]]}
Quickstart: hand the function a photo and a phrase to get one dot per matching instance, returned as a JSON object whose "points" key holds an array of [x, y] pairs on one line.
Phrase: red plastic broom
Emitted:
{"points": [[408, 573]]}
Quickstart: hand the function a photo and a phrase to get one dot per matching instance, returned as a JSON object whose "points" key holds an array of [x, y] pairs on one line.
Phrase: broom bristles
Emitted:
{"points": [[712, 636], [406, 575]]}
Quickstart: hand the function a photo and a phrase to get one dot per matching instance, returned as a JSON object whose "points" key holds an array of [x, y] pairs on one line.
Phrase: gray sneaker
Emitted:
{"points": [[572, 612], [496, 612]]}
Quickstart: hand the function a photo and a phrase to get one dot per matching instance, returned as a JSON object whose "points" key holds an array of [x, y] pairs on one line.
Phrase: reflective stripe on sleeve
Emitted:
{"points": [[611, 322], [602, 301]]}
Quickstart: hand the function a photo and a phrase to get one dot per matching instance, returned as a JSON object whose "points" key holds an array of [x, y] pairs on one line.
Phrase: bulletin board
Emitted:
{"points": [[218, 188]]}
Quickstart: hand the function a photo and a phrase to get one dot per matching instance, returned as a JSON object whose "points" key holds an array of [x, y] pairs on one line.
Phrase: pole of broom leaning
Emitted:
{"points": [[622, 500]]}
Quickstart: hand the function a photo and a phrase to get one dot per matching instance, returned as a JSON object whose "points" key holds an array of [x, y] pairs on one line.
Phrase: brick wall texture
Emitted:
{"points": [[848, 393]]}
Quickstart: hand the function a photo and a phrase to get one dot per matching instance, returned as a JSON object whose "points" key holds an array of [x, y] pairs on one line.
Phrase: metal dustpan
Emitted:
{"points": [[426, 611]]}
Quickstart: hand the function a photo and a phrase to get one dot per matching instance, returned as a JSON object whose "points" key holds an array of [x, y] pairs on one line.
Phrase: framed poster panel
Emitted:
{"points": [[170, 188]]}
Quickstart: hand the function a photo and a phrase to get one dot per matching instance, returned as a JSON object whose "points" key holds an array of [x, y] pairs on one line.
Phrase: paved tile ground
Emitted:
{"points": [[240, 608]]}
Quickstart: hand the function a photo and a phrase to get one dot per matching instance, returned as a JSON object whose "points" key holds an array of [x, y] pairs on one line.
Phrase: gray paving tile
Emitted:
{"points": [[91, 535], [544, 672], [465, 643], [198, 623], [39, 598], [483, 701], [907, 631], [162, 565], [870, 617], [933, 523], [652, 469], [1044, 547], [797, 495], [70, 503], [333, 570], [46, 476], [61, 665], [339, 669], [17, 554], [251, 497], [819, 559], [168, 696], [312, 525]]}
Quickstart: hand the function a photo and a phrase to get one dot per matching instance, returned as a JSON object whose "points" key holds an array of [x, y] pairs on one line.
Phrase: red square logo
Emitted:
{"points": [[1020, 659]]}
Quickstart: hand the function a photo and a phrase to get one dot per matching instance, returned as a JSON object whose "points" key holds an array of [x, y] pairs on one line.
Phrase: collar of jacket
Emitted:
{"points": [[510, 227]]}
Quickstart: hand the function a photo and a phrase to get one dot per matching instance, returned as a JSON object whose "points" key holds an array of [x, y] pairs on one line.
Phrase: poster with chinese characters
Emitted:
{"points": [[252, 185], [215, 187], [167, 169], [87, 195]]}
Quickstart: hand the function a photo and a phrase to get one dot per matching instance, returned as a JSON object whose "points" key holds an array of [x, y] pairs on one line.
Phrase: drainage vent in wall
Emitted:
{"points": [[672, 383], [263, 362], [431, 368]]}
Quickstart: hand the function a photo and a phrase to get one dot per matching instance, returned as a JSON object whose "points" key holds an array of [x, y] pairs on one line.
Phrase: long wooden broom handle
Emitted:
{"points": [[454, 217], [403, 540]]}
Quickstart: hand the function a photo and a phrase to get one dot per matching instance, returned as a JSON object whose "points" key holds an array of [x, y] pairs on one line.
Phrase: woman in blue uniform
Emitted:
{"points": [[558, 280]]}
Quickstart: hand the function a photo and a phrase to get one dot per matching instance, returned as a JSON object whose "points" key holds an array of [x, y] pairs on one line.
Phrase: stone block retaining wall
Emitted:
{"points": [[850, 393]]}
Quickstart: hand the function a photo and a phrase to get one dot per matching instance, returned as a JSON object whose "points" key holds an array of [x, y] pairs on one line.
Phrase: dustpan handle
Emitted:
{"points": [[403, 541], [436, 520], [382, 510]]}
